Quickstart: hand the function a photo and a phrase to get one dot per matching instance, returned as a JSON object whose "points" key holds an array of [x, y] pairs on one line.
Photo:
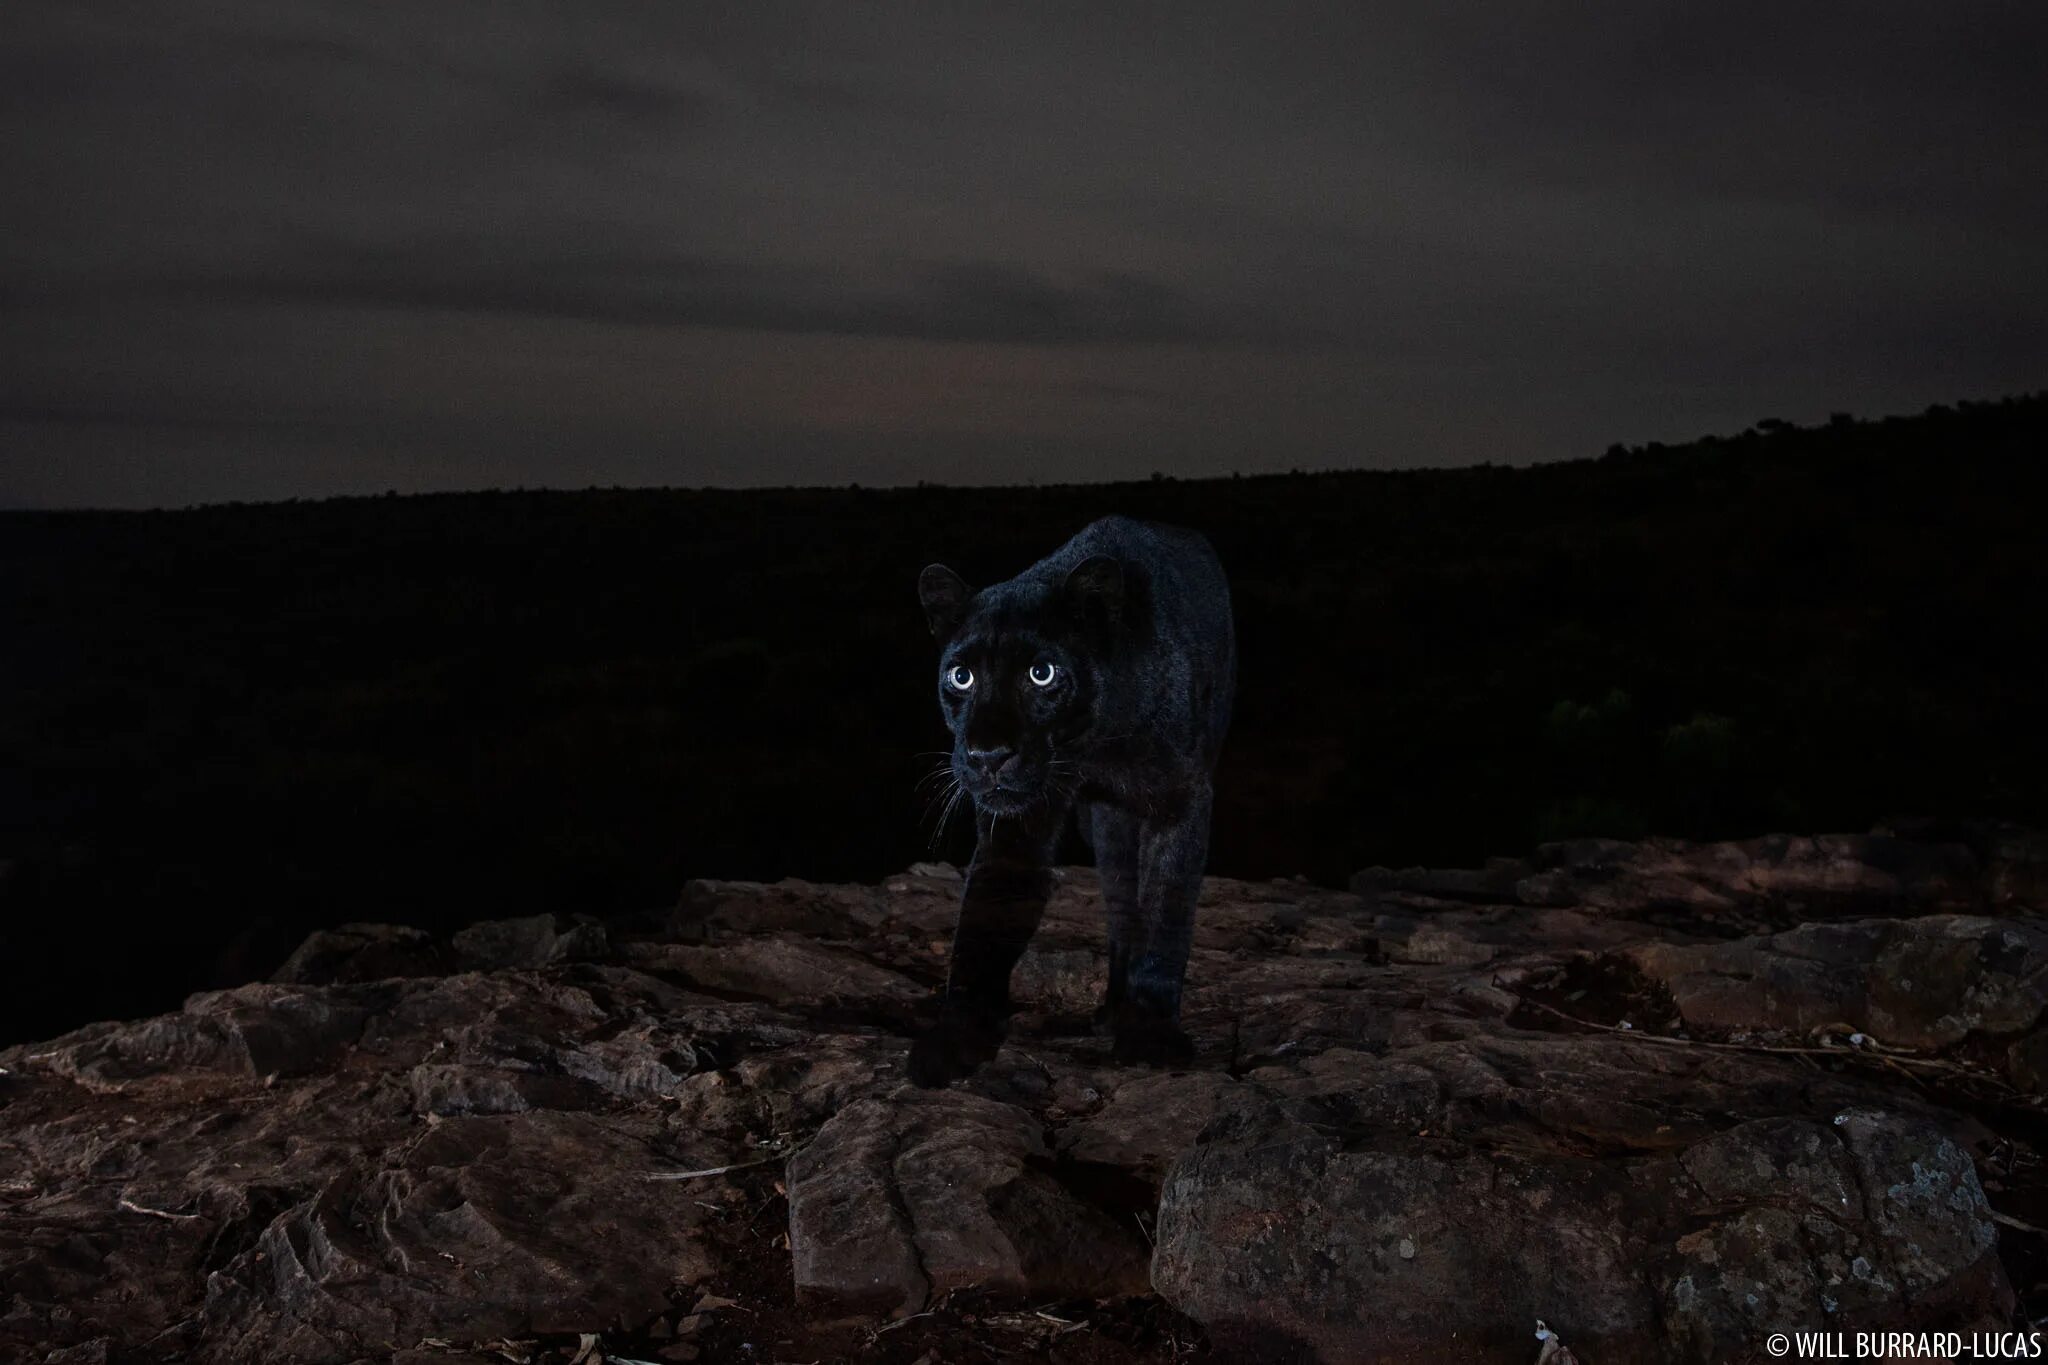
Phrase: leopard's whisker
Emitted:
{"points": [[953, 796]]}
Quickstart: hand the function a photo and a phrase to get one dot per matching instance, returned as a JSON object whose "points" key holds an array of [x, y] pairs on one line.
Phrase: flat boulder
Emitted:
{"points": [[251, 1031], [902, 1198], [480, 1227], [1925, 983], [530, 941], [361, 952], [782, 967], [1412, 1237]]}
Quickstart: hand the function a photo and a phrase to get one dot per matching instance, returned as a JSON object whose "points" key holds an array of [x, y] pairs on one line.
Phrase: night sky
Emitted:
{"points": [[274, 249]]}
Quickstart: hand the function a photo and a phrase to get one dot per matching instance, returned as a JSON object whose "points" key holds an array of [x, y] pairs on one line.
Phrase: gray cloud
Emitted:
{"points": [[966, 301], [1336, 234]]}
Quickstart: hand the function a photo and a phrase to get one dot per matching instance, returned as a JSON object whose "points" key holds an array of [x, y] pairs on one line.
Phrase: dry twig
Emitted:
{"points": [[2017, 1224], [1872, 1050]]}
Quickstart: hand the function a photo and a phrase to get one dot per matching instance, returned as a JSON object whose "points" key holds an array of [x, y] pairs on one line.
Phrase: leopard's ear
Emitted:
{"points": [[944, 595], [1096, 587]]}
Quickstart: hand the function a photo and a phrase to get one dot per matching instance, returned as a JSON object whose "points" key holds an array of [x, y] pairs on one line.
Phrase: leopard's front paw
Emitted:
{"points": [[952, 1049]]}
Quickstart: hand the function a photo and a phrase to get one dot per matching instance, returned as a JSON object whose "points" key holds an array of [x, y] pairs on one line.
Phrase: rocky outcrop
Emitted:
{"points": [[1920, 983], [922, 1193], [1624, 1089], [1782, 878], [1432, 1230]]}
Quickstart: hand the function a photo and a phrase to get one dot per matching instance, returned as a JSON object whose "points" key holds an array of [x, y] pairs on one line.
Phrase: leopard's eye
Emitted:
{"points": [[960, 677], [1043, 673]]}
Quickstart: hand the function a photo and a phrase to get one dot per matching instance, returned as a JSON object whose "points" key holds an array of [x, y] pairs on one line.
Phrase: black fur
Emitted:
{"points": [[1128, 627]]}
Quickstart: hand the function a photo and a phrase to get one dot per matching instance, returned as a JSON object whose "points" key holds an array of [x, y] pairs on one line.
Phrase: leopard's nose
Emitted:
{"points": [[989, 762]]}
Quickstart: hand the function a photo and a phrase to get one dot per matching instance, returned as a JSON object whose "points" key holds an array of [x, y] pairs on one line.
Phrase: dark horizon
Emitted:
{"points": [[1834, 417], [277, 251]]}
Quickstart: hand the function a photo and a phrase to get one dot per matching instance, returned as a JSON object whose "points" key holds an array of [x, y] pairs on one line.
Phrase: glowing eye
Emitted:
{"points": [[1042, 674], [960, 676]]}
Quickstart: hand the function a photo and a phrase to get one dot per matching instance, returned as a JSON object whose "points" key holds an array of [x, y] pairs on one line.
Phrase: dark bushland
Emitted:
{"points": [[220, 728]]}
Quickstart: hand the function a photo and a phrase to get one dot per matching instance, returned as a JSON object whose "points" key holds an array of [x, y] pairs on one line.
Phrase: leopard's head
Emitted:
{"points": [[1019, 668]]}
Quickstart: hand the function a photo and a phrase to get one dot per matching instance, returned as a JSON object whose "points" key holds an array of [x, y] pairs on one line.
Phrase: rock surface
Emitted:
{"points": [[1665, 1098]]}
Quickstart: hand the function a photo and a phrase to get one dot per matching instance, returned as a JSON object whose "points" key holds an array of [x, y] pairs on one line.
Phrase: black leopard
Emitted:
{"points": [[1097, 683]]}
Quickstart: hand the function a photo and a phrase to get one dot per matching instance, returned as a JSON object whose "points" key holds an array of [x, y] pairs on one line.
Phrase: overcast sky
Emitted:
{"points": [[275, 248]]}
